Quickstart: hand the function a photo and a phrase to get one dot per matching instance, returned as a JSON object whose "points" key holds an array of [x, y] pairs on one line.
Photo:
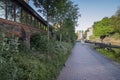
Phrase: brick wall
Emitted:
{"points": [[22, 31]]}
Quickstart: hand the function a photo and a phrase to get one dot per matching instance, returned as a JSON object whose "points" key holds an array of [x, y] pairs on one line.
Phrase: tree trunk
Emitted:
{"points": [[60, 37]]}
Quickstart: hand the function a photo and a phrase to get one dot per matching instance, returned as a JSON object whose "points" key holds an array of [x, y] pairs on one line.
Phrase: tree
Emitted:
{"points": [[47, 8], [68, 20], [103, 28], [116, 21], [58, 11]]}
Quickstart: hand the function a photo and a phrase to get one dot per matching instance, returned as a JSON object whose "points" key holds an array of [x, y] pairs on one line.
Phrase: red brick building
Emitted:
{"points": [[17, 17]]}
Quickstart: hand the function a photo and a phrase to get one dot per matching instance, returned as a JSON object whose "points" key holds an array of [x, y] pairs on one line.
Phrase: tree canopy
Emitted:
{"points": [[62, 12], [103, 27], [116, 21], [107, 26]]}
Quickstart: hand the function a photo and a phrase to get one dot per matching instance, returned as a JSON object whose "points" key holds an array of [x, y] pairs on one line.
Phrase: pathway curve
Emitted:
{"points": [[87, 64]]}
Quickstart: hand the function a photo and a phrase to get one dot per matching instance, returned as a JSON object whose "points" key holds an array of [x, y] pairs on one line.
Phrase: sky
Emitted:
{"points": [[31, 3], [94, 10]]}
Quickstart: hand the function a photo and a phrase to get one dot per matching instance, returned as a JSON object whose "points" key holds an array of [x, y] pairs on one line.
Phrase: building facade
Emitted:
{"points": [[19, 11], [89, 33], [17, 17], [80, 35]]}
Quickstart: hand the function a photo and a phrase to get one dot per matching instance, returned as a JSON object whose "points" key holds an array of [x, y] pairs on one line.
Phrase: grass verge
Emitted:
{"points": [[112, 53]]}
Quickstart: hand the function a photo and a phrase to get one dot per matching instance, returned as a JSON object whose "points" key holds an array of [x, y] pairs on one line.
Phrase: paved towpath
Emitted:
{"points": [[87, 64]]}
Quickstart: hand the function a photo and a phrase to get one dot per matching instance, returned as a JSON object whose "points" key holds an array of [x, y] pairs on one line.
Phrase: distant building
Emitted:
{"points": [[80, 35], [89, 33]]}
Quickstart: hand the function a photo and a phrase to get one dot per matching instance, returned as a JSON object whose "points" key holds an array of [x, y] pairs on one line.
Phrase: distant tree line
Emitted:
{"points": [[107, 26]]}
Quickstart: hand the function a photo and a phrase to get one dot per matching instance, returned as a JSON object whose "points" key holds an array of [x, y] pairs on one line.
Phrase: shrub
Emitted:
{"points": [[39, 42], [33, 66]]}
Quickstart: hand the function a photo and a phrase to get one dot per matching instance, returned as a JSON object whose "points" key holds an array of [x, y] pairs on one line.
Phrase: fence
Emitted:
{"points": [[103, 45]]}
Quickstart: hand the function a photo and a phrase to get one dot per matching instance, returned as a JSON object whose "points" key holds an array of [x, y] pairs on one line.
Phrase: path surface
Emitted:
{"points": [[87, 64]]}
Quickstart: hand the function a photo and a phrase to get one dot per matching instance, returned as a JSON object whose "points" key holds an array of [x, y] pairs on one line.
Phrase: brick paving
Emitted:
{"points": [[87, 64]]}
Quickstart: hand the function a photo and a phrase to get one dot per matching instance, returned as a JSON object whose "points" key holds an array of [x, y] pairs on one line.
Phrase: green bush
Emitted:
{"points": [[39, 42], [33, 65], [8, 47]]}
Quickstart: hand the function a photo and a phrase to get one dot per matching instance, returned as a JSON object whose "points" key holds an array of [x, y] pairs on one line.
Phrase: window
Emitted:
{"points": [[39, 24], [18, 13], [29, 19], [2, 9], [10, 10], [24, 18], [46, 28], [35, 22], [32, 21]]}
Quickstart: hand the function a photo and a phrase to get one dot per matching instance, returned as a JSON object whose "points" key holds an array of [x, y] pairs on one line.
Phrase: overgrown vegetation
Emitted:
{"points": [[63, 14], [35, 64], [48, 53], [112, 53], [108, 31], [107, 27], [103, 28]]}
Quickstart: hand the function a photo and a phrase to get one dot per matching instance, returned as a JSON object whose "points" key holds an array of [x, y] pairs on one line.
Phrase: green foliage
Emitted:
{"points": [[36, 66], [39, 42], [67, 30], [62, 12], [9, 44], [33, 65], [8, 47], [46, 7], [108, 26], [111, 53], [103, 27], [116, 21]]}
